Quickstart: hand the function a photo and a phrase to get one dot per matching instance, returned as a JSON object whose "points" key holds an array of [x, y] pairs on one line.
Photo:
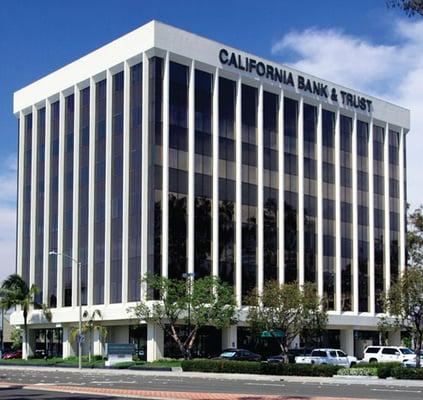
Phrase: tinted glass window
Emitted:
{"points": [[389, 351], [341, 354], [372, 350], [318, 353]]}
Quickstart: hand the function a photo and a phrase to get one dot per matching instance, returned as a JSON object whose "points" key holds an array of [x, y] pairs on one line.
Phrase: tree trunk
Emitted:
{"points": [[25, 342], [418, 348], [175, 337], [191, 341], [90, 344]]}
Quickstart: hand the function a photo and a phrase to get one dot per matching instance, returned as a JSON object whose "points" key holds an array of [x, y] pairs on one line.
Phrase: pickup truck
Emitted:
{"points": [[327, 356]]}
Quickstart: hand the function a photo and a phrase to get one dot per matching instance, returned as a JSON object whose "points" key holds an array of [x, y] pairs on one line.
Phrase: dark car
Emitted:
{"points": [[280, 358], [12, 354], [239, 355]]}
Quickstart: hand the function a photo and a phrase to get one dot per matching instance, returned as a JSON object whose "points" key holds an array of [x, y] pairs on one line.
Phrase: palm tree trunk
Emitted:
{"points": [[25, 341]]}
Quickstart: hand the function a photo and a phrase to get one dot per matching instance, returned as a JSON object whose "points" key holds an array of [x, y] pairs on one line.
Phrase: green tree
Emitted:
{"points": [[415, 237], [410, 7], [404, 302], [194, 303], [288, 308], [16, 338], [14, 292], [90, 324]]}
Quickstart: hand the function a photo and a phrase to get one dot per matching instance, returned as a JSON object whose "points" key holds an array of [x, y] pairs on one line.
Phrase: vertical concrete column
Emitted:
{"points": [[260, 217], [46, 239], [21, 158], [165, 168], [347, 341], [108, 187], [69, 348], [215, 202], [155, 342], [371, 263], [34, 179], [238, 192], [191, 168], [98, 348], [281, 198], [394, 338], [229, 337], [300, 261]]}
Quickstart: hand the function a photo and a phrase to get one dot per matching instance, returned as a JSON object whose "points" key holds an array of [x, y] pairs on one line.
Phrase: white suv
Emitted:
{"points": [[388, 353]]}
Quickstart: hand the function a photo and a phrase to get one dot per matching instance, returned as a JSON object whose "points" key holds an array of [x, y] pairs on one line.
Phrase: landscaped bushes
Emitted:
{"points": [[407, 373], [250, 367], [384, 370], [363, 371], [240, 367]]}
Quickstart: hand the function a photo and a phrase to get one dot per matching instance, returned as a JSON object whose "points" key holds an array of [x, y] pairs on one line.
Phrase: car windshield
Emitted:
{"points": [[228, 354], [406, 350]]}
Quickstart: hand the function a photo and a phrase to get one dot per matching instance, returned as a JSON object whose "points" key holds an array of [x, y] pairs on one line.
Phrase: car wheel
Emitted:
{"points": [[372, 361], [352, 363]]}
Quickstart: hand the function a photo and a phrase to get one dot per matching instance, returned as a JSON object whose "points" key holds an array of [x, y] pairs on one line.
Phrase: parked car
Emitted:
{"points": [[327, 356], [374, 354], [12, 354], [296, 352], [239, 355], [280, 358]]}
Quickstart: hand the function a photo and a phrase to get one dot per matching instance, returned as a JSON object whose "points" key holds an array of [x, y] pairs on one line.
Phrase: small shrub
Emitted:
{"points": [[384, 370], [407, 373], [363, 371]]}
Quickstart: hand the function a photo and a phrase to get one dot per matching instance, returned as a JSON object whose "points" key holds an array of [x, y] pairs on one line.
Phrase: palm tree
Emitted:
{"points": [[89, 325], [14, 292]]}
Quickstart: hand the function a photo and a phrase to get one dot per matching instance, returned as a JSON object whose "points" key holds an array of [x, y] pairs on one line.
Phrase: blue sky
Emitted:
{"points": [[357, 43]]}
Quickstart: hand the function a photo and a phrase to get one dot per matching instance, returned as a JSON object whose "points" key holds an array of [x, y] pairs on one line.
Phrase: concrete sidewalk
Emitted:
{"points": [[237, 377]]}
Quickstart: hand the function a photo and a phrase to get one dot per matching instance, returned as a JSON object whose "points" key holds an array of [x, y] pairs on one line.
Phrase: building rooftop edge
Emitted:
{"points": [[151, 28]]}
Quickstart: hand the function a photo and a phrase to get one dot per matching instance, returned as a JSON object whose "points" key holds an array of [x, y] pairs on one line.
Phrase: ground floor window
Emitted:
{"points": [[48, 342], [138, 336]]}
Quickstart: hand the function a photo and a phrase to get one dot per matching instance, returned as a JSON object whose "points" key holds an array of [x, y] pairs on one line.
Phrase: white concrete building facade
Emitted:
{"points": [[169, 153]]}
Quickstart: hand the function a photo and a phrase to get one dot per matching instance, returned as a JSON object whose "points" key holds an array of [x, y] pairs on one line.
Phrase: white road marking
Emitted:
{"points": [[397, 390], [265, 384]]}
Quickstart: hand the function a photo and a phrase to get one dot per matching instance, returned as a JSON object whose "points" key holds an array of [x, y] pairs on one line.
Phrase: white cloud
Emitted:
{"points": [[393, 72], [7, 215]]}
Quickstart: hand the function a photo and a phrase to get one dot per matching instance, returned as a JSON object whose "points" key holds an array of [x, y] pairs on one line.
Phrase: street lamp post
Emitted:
{"points": [[78, 263]]}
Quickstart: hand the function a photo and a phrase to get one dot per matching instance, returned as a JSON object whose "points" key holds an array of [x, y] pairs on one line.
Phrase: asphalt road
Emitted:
{"points": [[179, 383], [27, 394]]}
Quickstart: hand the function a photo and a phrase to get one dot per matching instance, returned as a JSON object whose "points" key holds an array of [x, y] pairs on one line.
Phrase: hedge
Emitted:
{"points": [[384, 370], [407, 373], [363, 371], [252, 367]]}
